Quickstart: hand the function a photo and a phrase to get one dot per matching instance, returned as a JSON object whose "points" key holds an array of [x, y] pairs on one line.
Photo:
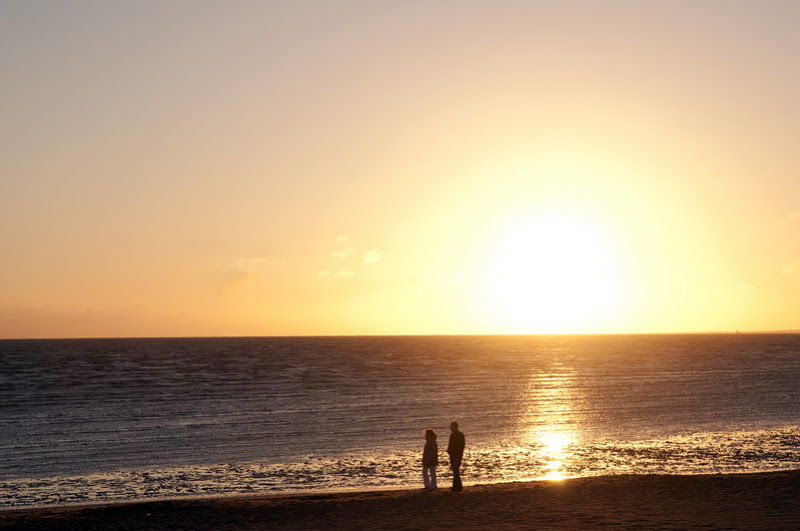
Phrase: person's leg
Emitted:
{"points": [[425, 478], [433, 478], [455, 465]]}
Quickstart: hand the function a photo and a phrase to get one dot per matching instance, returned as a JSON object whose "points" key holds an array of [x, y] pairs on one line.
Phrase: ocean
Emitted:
{"points": [[106, 420]]}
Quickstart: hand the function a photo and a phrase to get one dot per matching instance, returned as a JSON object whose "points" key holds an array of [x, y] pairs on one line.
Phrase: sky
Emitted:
{"points": [[257, 168]]}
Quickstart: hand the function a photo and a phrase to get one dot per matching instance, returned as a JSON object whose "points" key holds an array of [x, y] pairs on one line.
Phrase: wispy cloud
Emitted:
{"points": [[339, 273], [442, 276], [249, 271], [344, 254], [372, 256], [791, 269], [258, 263], [344, 262], [746, 286], [795, 215]]}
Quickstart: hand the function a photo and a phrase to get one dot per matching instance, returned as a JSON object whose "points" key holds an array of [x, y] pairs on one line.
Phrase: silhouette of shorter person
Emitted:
{"points": [[456, 451], [430, 459]]}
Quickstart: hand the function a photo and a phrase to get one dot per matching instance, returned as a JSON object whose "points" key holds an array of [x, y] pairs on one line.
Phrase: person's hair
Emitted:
{"points": [[430, 433], [454, 424]]}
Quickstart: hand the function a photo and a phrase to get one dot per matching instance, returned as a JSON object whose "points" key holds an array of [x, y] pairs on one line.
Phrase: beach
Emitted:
{"points": [[768, 500], [661, 431]]}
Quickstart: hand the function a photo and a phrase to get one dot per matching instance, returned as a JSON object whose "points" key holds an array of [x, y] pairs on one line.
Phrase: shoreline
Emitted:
{"points": [[739, 501]]}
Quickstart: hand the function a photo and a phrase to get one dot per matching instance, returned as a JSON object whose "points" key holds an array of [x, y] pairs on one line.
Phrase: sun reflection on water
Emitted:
{"points": [[552, 420], [555, 453]]}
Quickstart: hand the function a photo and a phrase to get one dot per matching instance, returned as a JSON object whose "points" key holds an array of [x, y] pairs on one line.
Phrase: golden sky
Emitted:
{"points": [[194, 168]]}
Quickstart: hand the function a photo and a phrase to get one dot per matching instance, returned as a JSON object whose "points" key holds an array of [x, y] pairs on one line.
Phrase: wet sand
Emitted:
{"points": [[732, 501]]}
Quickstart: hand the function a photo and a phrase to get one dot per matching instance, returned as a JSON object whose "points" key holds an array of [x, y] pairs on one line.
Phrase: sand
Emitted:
{"points": [[734, 501]]}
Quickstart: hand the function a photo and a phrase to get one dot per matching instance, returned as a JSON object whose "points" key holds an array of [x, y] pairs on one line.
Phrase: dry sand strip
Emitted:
{"points": [[735, 501]]}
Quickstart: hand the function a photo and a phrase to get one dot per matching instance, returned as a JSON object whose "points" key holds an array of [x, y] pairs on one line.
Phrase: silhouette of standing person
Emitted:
{"points": [[455, 449], [430, 459]]}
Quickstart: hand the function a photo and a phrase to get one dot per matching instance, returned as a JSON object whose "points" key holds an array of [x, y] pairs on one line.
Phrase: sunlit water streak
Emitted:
{"points": [[104, 420]]}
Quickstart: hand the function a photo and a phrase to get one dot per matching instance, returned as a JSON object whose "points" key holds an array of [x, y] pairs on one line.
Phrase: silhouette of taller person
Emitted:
{"points": [[455, 449]]}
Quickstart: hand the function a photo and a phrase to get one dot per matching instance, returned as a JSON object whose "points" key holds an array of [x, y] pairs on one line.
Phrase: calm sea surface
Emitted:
{"points": [[86, 421]]}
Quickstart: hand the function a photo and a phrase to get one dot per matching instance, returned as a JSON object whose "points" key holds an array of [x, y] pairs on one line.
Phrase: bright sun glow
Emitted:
{"points": [[552, 271]]}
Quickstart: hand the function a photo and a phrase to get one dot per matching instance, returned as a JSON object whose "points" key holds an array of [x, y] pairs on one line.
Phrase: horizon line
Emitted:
{"points": [[509, 334]]}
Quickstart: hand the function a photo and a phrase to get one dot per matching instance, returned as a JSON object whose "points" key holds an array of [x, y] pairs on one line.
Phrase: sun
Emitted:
{"points": [[554, 270]]}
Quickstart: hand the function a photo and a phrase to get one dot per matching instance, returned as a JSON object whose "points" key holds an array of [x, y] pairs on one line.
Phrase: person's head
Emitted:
{"points": [[454, 426], [430, 434]]}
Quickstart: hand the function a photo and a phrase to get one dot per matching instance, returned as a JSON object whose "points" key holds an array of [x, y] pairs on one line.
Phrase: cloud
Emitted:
{"points": [[745, 285], [344, 254], [259, 263], [442, 276], [372, 256], [245, 265], [339, 273], [334, 268], [791, 269], [794, 215]]}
